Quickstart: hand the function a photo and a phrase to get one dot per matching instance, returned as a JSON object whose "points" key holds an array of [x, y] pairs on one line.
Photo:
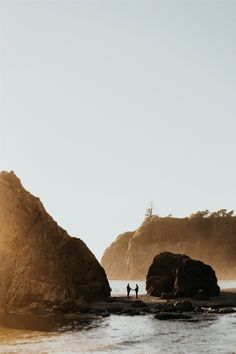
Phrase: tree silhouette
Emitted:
{"points": [[149, 212]]}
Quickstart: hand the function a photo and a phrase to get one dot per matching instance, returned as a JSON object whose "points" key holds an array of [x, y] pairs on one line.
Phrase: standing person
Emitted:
{"points": [[136, 291], [128, 290]]}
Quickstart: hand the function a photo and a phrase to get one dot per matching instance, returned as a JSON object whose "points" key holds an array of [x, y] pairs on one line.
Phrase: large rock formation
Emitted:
{"points": [[161, 274], [40, 262], [195, 277], [210, 239], [179, 275]]}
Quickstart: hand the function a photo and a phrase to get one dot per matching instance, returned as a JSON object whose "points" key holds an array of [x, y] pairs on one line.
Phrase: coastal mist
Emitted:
{"points": [[209, 237]]}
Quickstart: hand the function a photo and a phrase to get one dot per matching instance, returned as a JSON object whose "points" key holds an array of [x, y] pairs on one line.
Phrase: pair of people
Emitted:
{"points": [[129, 289]]}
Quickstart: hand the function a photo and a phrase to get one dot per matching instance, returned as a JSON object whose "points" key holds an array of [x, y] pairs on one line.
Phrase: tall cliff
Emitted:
{"points": [[210, 239], [39, 261]]}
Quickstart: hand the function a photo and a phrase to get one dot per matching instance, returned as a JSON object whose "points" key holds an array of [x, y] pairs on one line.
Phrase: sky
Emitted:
{"points": [[109, 105]]}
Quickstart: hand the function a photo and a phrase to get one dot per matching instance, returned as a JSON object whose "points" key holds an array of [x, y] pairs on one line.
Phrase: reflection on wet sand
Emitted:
{"points": [[14, 327]]}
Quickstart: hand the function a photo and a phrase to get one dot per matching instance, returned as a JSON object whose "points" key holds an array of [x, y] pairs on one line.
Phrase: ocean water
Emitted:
{"points": [[120, 334]]}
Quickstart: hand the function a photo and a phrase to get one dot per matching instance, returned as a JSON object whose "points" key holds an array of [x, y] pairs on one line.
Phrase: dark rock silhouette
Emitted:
{"points": [[194, 277], [171, 316], [183, 306], [40, 262], [161, 274], [180, 276], [210, 239]]}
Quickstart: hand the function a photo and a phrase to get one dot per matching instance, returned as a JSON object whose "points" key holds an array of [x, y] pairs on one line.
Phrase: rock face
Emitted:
{"points": [[161, 274], [116, 261], [40, 262], [194, 277], [209, 239], [181, 276]]}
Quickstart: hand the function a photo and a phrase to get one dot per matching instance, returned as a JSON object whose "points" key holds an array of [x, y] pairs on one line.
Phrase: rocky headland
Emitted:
{"points": [[40, 263], [210, 238]]}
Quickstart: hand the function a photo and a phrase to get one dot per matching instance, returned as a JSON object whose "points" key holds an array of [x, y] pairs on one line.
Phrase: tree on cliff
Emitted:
{"points": [[222, 213], [149, 212], [200, 214]]}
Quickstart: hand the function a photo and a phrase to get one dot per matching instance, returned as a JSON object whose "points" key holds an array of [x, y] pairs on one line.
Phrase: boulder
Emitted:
{"points": [[171, 316], [73, 306], [227, 310], [161, 274], [180, 276], [167, 296], [183, 306], [200, 297], [40, 262], [194, 277], [138, 304]]}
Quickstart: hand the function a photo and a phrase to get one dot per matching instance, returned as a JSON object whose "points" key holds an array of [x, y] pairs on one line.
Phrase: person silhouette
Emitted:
{"points": [[136, 291], [128, 290]]}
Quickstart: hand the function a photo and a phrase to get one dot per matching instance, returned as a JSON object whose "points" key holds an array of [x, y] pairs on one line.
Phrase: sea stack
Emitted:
{"points": [[40, 262], [180, 276]]}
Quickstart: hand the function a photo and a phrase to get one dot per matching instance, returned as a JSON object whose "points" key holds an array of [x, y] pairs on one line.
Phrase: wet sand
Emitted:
{"points": [[225, 303], [226, 298], [120, 304]]}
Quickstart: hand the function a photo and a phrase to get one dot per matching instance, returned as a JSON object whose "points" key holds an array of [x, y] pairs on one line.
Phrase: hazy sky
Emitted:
{"points": [[108, 105]]}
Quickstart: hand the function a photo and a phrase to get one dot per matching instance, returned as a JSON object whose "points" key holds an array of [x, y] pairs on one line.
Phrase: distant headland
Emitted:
{"points": [[209, 237]]}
